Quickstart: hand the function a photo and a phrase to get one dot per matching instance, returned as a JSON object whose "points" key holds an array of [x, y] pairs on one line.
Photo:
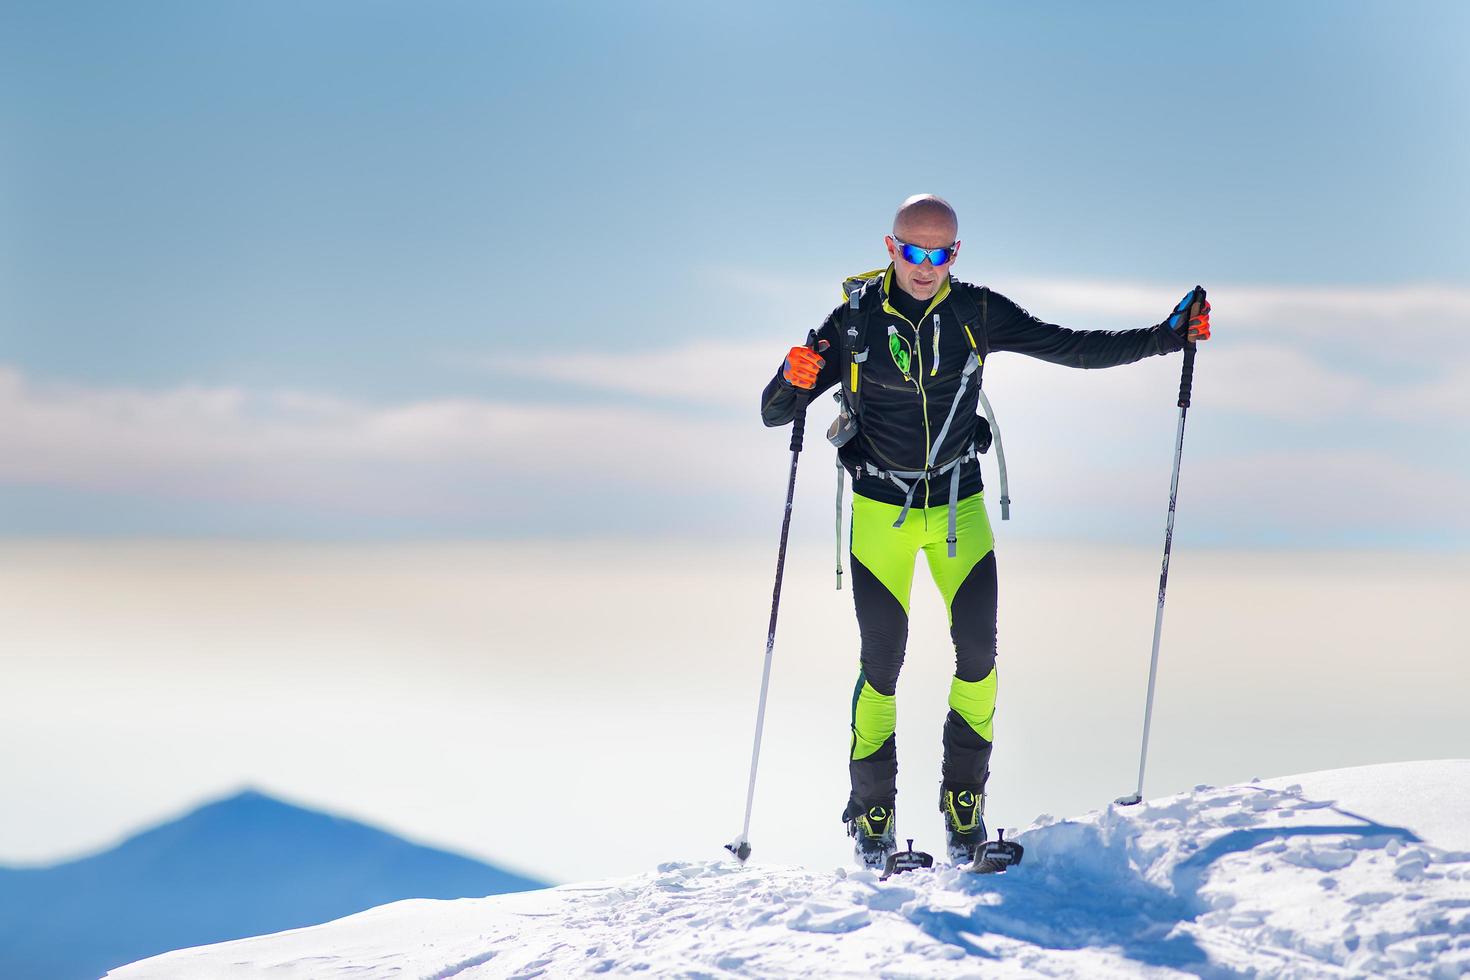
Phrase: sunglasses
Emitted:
{"points": [[914, 255]]}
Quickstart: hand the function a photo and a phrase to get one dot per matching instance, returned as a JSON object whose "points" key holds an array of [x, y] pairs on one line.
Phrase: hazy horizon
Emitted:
{"points": [[455, 693]]}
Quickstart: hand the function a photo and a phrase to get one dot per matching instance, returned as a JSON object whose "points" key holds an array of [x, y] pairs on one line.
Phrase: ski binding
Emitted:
{"points": [[995, 856], [910, 860]]}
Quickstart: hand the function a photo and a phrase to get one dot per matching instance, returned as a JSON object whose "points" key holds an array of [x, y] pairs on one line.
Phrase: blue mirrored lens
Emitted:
{"points": [[914, 255]]}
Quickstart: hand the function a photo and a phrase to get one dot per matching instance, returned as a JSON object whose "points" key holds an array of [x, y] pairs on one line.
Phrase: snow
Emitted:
{"points": [[1357, 872], [1430, 798]]}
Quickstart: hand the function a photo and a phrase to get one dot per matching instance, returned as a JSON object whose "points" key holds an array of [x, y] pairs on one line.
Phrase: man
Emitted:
{"points": [[916, 339]]}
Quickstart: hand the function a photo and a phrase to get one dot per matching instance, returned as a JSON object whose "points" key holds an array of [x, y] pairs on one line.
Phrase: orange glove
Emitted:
{"points": [[801, 367], [1198, 326]]}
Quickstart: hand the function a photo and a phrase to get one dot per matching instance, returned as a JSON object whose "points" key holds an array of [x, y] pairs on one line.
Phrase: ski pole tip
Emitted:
{"points": [[1133, 800], [741, 850]]}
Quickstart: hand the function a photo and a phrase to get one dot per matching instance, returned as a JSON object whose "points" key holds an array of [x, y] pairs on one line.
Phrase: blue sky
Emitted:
{"points": [[365, 269]]}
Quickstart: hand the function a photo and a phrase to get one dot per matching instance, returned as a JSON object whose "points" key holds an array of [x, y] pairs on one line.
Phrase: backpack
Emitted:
{"points": [[862, 294]]}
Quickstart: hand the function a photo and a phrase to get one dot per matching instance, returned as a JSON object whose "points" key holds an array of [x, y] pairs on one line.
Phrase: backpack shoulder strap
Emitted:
{"points": [[974, 315], [861, 293], [972, 306], [860, 282]]}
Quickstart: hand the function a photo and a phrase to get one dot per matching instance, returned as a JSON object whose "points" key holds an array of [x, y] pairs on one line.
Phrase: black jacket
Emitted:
{"points": [[894, 409]]}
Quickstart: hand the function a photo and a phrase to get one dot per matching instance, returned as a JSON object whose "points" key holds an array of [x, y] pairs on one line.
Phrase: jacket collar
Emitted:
{"points": [[939, 297]]}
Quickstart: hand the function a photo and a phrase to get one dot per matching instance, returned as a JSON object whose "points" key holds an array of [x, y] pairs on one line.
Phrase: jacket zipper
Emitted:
{"points": [[918, 379]]}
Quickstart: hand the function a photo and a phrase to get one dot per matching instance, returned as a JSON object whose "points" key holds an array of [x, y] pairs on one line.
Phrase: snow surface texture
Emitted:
{"points": [[1260, 880]]}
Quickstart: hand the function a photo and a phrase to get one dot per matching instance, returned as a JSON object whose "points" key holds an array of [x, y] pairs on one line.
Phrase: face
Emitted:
{"points": [[922, 281]]}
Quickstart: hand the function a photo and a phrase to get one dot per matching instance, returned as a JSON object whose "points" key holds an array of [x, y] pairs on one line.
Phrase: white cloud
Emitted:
{"points": [[432, 456], [1379, 320], [1411, 313], [778, 291], [1280, 352], [1093, 449], [1258, 378], [467, 456], [1444, 399], [1283, 383], [726, 373]]}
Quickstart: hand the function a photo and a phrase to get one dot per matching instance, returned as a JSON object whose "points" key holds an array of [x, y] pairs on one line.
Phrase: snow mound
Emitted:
{"points": [[1255, 880]]}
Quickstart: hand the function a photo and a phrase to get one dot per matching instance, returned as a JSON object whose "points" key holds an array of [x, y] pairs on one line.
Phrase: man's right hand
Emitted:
{"points": [[801, 367]]}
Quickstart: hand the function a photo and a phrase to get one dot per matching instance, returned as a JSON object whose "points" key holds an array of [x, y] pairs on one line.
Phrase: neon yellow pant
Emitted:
{"points": [[883, 560]]}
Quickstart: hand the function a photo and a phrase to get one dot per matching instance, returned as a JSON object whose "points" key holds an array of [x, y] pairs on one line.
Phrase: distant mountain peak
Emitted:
{"points": [[251, 799], [239, 865]]}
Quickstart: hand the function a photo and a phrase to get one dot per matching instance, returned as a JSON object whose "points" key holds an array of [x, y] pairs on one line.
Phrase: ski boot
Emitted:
{"points": [[964, 821], [871, 829]]}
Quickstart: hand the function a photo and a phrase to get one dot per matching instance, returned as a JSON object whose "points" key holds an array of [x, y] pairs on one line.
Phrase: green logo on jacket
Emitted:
{"points": [[899, 350]]}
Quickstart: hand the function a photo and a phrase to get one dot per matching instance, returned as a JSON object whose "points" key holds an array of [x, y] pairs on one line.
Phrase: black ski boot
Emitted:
{"points": [[871, 828], [964, 821]]}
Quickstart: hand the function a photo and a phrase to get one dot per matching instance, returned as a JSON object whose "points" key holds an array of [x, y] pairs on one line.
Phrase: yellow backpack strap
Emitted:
{"points": [[851, 328], [857, 283], [853, 325]]}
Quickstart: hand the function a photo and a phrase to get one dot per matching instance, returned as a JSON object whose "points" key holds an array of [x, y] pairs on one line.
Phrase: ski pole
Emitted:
{"points": [[1186, 381], [740, 846]]}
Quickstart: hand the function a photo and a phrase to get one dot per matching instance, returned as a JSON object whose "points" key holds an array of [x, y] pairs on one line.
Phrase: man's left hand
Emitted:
{"points": [[1190, 320]]}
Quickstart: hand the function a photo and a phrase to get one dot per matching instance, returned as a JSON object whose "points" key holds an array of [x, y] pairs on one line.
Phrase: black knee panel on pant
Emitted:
{"points": [[972, 622], [883, 627]]}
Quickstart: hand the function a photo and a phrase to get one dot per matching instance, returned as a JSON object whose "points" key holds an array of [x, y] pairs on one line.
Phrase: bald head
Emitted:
{"points": [[926, 216], [928, 222]]}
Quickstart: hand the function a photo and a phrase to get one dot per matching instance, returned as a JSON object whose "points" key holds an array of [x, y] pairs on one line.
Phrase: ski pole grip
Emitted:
{"points": [[798, 424], [1186, 379]]}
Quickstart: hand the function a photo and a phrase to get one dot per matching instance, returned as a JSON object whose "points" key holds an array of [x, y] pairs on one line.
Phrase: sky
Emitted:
{"points": [[375, 270]]}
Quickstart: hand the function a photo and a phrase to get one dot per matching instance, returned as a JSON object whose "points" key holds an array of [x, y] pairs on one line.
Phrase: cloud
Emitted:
{"points": [[1284, 383], [1092, 449], [1437, 310], [1446, 398], [728, 374], [1416, 318], [1259, 378], [782, 290], [432, 456], [1085, 447]]}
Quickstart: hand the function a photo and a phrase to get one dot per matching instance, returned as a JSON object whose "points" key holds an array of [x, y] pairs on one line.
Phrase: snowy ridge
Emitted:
{"points": [[1263, 879]]}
